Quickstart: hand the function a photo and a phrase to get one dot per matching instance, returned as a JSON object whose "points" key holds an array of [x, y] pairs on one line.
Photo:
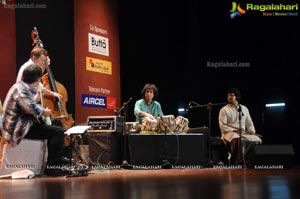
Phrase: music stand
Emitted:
{"points": [[76, 131]]}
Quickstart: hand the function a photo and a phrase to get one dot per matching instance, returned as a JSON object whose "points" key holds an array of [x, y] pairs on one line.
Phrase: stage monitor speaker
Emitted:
{"points": [[105, 148], [270, 156]]}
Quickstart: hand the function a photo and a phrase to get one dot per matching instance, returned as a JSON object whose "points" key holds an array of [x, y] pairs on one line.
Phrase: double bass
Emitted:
{"points": [[58, 107]]}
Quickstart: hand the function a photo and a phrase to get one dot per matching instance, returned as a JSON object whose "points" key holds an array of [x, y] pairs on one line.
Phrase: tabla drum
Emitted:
{"points": [[149, 124], [167, 123], [131, 127], [181, 124]]}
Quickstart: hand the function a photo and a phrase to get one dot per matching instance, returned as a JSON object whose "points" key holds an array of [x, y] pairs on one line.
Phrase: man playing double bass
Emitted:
{"points": [[39, 56]]}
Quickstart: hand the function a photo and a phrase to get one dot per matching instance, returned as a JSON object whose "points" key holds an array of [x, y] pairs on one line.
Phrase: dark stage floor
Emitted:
{"points": [[232, 183]]}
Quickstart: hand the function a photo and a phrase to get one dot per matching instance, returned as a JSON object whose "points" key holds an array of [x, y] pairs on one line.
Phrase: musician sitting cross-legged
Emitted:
{"points": [[147, 110], [21, 117], [235, 120], [148, 107]]}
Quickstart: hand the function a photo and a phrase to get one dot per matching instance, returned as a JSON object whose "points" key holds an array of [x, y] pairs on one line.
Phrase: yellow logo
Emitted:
{"points": [[98, 65]]}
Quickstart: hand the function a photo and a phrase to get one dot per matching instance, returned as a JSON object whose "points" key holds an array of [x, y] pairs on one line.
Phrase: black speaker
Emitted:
{"points": [[270, 156], [105, 148]]}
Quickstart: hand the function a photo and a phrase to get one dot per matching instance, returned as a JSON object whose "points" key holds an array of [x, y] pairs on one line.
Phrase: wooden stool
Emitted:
{"points": [[29, 154]]}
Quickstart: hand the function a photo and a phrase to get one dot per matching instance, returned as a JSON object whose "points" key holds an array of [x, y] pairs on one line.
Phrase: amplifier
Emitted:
{"points": [[105, 124]]}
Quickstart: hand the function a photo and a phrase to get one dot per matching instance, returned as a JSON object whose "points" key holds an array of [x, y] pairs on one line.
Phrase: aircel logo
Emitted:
{"points": [[93, 101], [98, 44]]}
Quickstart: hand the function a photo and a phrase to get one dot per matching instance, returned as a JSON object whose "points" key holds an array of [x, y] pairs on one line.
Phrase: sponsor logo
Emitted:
{"points": [[270, 9], [98, 44], [93, 101], [98, 65], [111, 103], [236, 10]]}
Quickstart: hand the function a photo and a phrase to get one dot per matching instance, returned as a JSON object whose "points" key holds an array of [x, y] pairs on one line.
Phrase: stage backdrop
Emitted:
{"points": [[97, 62], [7, 50], [82, 39]]}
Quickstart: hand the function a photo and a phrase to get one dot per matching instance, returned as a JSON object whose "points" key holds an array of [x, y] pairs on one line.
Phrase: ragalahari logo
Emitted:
{"points": [[236, 10]]}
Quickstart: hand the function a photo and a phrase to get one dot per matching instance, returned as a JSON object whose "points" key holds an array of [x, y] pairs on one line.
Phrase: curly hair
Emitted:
{"points": [[149, 87], [236, 92]]}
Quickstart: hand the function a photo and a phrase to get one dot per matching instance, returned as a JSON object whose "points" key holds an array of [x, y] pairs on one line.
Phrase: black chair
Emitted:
{"points": [[218, 151]]}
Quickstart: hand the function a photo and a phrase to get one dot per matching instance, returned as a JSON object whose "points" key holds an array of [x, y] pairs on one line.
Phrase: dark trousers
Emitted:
{"points": [[55, 140], [234, 148], [238, 152]]}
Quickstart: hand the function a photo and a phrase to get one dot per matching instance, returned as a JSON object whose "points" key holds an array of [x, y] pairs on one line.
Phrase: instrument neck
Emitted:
{"points": [[54, 89], [51, 78], [41, 95]]}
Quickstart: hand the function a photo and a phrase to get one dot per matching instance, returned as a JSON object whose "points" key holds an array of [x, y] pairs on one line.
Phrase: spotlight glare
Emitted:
{"points": [[181, 110], [275, 105]]}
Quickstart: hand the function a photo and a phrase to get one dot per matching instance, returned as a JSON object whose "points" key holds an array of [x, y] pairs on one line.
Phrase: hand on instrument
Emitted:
{"points": [[57, 96], [47, 112], [238, 131], [149, 115], [251, 132]]}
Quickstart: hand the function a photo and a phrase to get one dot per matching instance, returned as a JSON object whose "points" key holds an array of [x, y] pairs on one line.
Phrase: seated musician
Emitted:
{"points": [[148, 107], [235, 119], [21, 118]]}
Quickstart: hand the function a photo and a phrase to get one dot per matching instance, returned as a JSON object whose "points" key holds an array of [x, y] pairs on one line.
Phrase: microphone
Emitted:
{"points": [[118, 111], [125, 104], [129, 100], [189, 105], [239, 109]]}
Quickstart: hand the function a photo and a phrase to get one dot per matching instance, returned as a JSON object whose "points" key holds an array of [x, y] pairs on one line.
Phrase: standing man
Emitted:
{"points": [[235, 119]]}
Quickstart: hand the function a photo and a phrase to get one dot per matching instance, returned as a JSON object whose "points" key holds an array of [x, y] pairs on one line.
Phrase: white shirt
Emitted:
{"points": [[229, 115], [19, 77], [229, 122]]}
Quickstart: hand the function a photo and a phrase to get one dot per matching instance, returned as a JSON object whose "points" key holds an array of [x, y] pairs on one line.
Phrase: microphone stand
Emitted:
{"points": [[209, 107], [166, 164], [210, 162], [125, 164], [240, 139]]}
